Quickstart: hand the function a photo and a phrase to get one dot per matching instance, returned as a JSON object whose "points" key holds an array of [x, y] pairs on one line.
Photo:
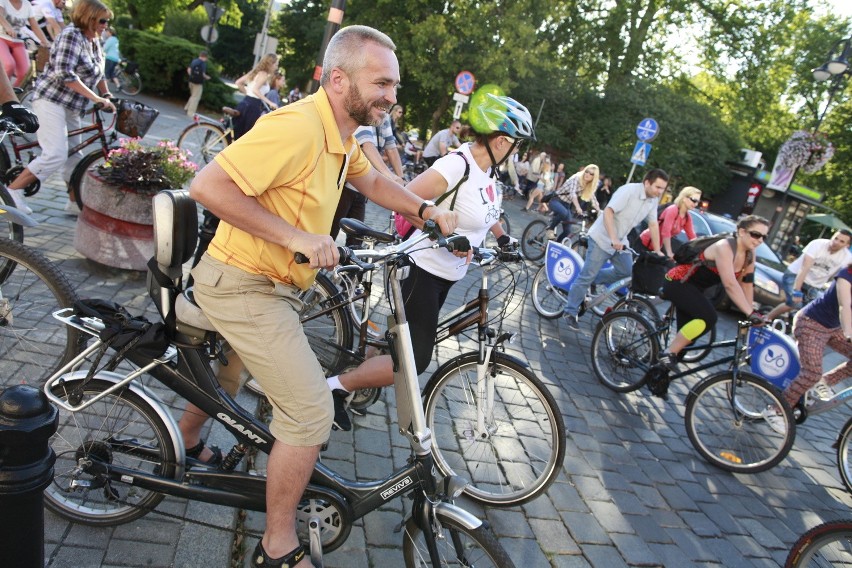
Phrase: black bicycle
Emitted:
{"points": [[119, 451], [724, 412]]}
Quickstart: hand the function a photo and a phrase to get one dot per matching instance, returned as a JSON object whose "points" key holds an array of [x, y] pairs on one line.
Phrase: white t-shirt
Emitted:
{"points": [[477, 208], [17, 18], [825, 263], [43, 9]]}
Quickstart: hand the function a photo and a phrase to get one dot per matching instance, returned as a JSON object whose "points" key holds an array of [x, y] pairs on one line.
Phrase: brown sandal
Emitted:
{"points": [[262, 560]]}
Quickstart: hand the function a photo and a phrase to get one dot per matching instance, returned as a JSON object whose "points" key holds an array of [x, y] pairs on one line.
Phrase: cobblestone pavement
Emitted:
{"points": [[632, 492]]}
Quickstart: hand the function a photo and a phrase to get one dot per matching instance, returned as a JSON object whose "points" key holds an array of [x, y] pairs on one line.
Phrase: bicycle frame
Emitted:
{"points": [[97, 128], [185, 369]]}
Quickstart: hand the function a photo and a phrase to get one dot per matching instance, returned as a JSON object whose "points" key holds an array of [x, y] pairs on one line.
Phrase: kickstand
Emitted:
{"points": [[315, 541]]}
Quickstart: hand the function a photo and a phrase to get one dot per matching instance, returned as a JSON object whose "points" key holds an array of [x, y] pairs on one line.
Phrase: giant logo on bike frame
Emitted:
{"points": [[774, 356], [563, 264]]}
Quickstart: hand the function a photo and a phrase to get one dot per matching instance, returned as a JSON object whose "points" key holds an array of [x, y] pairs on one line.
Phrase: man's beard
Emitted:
{"points": [[358, 110]]}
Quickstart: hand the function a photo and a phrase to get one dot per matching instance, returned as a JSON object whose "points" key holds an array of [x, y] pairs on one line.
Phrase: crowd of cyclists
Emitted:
{"points": [[250, 266]]}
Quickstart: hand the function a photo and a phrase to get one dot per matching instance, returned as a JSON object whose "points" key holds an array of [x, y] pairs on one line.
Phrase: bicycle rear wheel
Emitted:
{"points": [[638, 305], [330, 335], [548, 300], [520, 452], [203, 141], [33, 345], [829, 544], [623, 349], [128, 83], [534, 240], [120, 429], [725, 425], [457, 545]]}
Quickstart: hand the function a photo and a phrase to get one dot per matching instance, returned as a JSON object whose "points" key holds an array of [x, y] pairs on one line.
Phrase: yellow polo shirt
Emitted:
{"points": [[294, 162]]}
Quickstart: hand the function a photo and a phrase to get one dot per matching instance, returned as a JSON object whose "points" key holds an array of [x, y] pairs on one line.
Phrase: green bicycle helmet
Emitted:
{"points": [[502, 114]]}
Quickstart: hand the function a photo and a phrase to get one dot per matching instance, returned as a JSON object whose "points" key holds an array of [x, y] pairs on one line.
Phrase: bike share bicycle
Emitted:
{"points": [[724, 412], [119, 451]]}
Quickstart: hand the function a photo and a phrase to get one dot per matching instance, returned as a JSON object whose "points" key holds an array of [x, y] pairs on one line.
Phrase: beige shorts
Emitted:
{"points": [[260, 320]]}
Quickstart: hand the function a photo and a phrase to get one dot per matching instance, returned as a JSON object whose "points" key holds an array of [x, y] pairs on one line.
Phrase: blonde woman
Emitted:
{"points": [[576, 195], [255, 85], [676, 218]]}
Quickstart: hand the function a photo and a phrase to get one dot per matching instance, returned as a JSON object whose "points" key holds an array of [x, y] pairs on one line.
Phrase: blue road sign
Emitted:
{"points": [[641, 153], [647, 130], [465, 82]]}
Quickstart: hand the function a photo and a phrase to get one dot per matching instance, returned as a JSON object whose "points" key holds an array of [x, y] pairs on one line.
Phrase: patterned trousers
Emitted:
{"points": [[812, 339]]}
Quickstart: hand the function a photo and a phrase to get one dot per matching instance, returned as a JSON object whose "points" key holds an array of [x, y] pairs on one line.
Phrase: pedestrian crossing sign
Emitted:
{"points": [[640, 153]]}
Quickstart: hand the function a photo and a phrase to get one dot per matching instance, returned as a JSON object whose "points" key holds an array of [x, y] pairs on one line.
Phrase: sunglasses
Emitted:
{"points": [[103, 21], [694, 200], [757, 235], [588, 172]]}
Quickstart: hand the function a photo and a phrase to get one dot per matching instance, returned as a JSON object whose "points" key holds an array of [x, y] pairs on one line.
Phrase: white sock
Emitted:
{"points": [[334, 383], [20, 202]]}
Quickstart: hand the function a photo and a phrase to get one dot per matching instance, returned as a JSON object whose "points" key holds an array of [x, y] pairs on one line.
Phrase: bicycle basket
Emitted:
{"points": [[134, 118], [42, 56], [648, 274]]}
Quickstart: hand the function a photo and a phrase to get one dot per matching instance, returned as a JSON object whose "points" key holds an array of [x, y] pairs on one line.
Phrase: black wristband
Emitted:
{"points": [[423, 207]]}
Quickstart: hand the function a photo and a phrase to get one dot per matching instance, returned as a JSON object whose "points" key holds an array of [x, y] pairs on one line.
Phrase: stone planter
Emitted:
{"points": [[116, 227]]}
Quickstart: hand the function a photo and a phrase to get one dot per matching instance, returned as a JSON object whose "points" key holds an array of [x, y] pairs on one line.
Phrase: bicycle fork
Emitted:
{"points": [[485, 387]]}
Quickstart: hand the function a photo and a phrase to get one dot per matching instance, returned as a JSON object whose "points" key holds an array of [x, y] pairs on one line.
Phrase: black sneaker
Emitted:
{"points": [[668, 361], [341, 416], [572, 322]]}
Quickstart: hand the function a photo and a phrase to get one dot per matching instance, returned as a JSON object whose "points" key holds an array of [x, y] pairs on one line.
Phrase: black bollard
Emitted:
{"points": [[27, 421]]}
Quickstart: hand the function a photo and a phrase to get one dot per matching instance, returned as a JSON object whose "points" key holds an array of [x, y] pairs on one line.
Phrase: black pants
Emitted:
{"points": [[431, 160], [353, 205], [423, 296], [690, 303]]}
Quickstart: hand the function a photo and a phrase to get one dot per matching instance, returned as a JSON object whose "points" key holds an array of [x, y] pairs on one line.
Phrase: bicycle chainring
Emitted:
{"points": [[657, 379], [332, 512], [13, 172]]}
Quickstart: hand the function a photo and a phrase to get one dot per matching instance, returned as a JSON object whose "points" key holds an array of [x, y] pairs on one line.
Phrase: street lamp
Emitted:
{"points": [[835, 69]]}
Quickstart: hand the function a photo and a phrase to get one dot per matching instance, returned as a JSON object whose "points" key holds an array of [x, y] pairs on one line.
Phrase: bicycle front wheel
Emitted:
{"points": [[329, 334], [8, 229], [638, 305], [75, 184], [33, 345], [548, 300], [129, 83], [120, 429], [518, 454], [844, 458], [829, 544], [457, 545], [623, 349], [534, 240], [725, 424], [203, 141]]}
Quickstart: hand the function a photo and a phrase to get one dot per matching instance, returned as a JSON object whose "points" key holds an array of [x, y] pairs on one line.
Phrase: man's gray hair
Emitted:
{"points": [[345, 50]]}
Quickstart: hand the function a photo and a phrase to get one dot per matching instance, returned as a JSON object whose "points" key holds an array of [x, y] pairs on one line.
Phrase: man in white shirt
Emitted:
{"points": [[48, 14], [809, 273], [441, 143]]}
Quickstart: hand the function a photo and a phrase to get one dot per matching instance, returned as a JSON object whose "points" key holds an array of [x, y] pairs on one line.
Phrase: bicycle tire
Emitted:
{"points": [[623, 349], [203, 141], [639, 305], [128, 83], [534, 240], [330, 335], [478, 547], [548, 300], [828, 544], [12, 231], [844, 458], [739, 441], [75, 184], [121, 428], [33, 345], [525, 446], [581, 245]]}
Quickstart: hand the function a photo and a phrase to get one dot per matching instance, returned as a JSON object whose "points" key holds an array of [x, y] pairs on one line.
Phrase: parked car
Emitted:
{"points": [[768, 269]]}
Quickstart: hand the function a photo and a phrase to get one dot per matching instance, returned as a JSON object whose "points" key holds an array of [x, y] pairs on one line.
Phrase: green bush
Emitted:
{"points": [[162, 65]]}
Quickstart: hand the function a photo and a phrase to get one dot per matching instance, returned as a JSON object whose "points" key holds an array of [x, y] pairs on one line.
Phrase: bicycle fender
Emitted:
{"points": [[153, 400], [459, 515], [512, 358]]}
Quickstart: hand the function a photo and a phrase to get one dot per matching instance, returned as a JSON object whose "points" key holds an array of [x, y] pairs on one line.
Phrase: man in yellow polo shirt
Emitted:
{"points": [[276, 190]]}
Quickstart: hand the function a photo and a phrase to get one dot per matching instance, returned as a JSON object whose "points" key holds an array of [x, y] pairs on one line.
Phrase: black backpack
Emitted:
{"points": [[196, 73], [689, 252]]}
